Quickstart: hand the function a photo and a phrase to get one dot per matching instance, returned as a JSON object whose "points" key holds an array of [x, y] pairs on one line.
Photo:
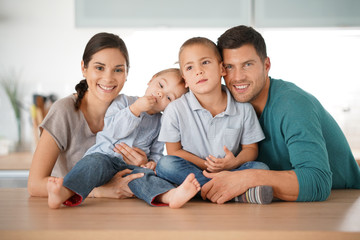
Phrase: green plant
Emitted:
{"points": [[10, 81]]}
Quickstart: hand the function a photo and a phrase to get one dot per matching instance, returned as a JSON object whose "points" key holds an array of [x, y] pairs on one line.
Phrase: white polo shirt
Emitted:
{"points": [[201, 134]]}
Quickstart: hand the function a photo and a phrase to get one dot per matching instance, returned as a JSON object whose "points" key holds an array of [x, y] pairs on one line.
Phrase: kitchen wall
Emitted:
{"points": [[41, 43]]}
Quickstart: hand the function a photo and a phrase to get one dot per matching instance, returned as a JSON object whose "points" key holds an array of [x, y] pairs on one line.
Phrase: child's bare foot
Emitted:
{"points": [[177, 197], [57, 193]]}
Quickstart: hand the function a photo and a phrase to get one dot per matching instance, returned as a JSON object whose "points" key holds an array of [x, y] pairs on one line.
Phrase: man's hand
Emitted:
{"points": [[132, 156], [223, 186], [214, 164]]}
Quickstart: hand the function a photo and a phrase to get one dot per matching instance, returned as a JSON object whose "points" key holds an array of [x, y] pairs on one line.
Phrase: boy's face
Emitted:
{"points": [[201, 68], [165, 87]]}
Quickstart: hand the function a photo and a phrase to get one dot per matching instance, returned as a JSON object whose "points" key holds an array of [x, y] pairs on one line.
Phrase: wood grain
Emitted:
{"points": [[29, 217]]}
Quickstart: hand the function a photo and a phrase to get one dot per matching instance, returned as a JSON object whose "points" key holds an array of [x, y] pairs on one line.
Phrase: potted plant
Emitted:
{"points": [[11, 84]]}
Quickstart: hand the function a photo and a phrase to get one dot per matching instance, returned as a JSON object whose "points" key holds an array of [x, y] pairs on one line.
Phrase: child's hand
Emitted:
{"points": [[219, 164], [131, 155], [150, 164], [142, 104]]}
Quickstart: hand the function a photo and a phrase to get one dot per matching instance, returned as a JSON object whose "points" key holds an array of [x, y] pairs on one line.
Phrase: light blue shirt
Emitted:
{"points": [[121, 125], [201, 134]]}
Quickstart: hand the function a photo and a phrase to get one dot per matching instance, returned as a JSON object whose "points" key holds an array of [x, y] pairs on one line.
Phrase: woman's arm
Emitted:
{"points": [[117, 187], [43, 162], [174, 148]]}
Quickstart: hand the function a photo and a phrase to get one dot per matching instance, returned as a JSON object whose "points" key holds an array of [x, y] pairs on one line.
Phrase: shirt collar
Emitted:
{"points": [[193, 102], [230, 108]]}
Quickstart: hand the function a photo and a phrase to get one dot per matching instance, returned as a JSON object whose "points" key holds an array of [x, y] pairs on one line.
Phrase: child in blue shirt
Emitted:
{"points": [[206, 129], [134, 121]]}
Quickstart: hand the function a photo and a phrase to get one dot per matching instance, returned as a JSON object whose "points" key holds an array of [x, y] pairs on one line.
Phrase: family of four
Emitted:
{"points": [[249, 141]]}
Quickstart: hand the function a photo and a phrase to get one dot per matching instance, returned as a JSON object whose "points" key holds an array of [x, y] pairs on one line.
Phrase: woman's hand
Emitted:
{"points": [[117, 187], [132, 156]]}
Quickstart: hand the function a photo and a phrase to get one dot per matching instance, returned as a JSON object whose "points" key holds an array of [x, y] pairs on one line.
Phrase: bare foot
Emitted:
{"points": [[57, 193], [177, 197]]}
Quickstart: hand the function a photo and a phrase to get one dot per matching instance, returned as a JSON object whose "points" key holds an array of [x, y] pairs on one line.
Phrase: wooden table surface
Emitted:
{"points": [[24, 217]]}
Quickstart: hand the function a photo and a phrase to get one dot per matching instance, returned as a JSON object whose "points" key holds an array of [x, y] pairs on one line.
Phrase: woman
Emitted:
{"points": [[70, 127]]}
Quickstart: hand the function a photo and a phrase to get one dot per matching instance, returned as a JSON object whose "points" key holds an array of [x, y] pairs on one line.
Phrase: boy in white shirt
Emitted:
{"points": [[206, 129]]}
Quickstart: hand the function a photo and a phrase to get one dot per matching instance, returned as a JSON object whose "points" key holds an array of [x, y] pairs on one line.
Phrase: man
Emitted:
{"points": [[304, 147]]}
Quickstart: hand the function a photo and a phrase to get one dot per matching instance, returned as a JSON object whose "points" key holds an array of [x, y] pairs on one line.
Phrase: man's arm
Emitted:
{"points": [[226, 185]]}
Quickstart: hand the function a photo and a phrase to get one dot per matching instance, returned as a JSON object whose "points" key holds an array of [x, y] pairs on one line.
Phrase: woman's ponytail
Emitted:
{"points": [[81, 89]]}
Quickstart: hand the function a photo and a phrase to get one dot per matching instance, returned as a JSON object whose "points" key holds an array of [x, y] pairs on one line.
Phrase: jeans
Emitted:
{"points": [[175, 169], [96, 169]]}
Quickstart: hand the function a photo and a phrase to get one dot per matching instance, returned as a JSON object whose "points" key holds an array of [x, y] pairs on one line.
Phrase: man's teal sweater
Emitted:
{"points": [[302, 136]]}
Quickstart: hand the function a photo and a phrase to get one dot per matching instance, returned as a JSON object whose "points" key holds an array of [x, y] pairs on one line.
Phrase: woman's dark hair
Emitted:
{"points": [[97, 43], [241, 35]]}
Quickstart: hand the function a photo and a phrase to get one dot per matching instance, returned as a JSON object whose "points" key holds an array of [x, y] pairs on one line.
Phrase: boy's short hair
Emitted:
{"points": [[241, 35], [174, 70], [201, 41]]}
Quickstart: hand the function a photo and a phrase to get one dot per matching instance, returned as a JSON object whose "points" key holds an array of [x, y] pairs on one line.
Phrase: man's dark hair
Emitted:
{"points": [[242, 35]]}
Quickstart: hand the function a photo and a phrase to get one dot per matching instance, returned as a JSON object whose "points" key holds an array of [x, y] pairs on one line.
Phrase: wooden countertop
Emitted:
{"points": [[24, 217], [16, 161]]}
